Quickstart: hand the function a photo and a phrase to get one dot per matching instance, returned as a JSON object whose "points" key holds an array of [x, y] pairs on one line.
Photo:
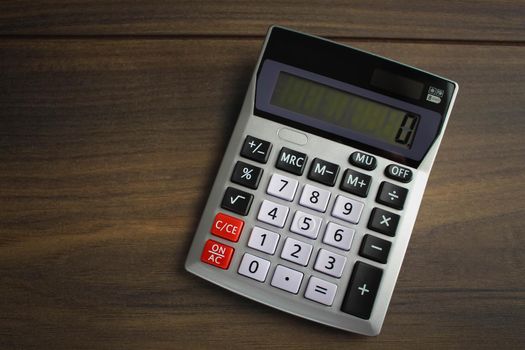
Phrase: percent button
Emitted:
{"points": [[246, 175]]}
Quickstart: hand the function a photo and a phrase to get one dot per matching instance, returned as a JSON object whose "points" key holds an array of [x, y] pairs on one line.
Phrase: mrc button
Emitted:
{"points": [[291, 161], [363, 160], [398, 173]]}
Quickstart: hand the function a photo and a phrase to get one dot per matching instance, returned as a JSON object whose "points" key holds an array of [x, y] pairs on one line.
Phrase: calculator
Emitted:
{"points": [[316, 197]]}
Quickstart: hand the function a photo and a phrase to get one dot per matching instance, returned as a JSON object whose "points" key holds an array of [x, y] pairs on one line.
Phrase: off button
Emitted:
{"points": [[398, 173]]}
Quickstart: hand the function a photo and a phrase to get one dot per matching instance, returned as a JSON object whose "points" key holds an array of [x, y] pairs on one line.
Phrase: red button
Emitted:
{"points": [[227, 227], [217, 254]]}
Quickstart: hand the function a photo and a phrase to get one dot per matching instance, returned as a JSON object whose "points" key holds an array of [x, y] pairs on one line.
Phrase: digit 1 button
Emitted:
{"points": [[356, 183], [263, 240], [246, 175], [217, 254], [256, 149], [323, 172], [362, 290], [391, 195], [383, 221], [237, 201], [375, 248]]}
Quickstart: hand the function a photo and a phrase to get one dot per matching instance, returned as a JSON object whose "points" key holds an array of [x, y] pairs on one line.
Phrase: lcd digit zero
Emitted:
{"points": [[316, 197]]}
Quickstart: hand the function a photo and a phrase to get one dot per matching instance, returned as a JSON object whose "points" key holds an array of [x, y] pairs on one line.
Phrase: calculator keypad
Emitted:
{"points": [[335, 229]]}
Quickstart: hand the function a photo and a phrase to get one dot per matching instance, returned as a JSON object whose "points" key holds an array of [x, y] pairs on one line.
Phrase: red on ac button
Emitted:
{"points": [[217, 254], [227, 227]]}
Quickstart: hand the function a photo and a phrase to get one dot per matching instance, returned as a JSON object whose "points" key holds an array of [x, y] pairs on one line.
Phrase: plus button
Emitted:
{"points": [[363, 289]]}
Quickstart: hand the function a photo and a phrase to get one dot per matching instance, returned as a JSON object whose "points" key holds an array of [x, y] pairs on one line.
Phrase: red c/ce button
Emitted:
{"points": [[227, 227], [217, 254]]}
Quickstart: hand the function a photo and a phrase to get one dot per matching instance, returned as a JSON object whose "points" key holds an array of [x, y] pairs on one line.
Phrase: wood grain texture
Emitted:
{"points": [[501, 20], [107, 152]]}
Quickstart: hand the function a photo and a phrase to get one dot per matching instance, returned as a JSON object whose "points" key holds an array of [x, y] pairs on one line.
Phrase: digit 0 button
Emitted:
{"points": [[254, 267], [227, 227], [217, 254]]}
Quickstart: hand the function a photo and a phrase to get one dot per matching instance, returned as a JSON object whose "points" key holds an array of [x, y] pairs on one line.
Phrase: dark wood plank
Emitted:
{"points": [[108, 149], [415, 19]]}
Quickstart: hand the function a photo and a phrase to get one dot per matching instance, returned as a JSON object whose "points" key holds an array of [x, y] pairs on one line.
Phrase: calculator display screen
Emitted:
{"points": [[380, 121]]}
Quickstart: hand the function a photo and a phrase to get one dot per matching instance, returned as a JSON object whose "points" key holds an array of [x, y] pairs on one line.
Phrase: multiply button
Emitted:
{"points": [[246, 175], [383, 222], [398, 173], [217, 254], [363, 160], [391, 195], [362, 290], [323, 172], [356, 183], [291, 161], [256, 149], [237, 201], [227, 227]]}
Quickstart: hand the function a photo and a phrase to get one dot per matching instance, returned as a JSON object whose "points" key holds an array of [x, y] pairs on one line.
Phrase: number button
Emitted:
{"points": [[273, 213], [330, 263], [314, 198], [306, 224], [320, 291], [338, 236], [296, 251], [263, 240], [282, 187], [347, 209], [254, 267], [287, 279]]}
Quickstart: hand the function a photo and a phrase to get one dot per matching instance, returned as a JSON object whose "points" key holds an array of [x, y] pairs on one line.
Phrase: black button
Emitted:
{"points": [[291, 161], [356, 183], [398, 173], [246, 175], [362, 290], [237, 201], [323, 172], [383, 221], [363, 160], [391, 195], [256, 149], [375, 248]]}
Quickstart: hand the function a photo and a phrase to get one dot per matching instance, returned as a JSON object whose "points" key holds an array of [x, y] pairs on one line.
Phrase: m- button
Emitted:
{"points": [[323, 172], [291, 161]]}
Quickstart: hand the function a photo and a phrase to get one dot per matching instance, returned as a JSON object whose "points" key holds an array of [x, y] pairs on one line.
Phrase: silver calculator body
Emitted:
{"points": [[312, 208]]}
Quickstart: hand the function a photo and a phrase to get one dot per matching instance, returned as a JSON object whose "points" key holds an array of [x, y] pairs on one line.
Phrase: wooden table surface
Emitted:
{"points": [[114, 117]]}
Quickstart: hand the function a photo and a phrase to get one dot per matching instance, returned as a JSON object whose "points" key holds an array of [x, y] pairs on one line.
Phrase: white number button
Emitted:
{"points": [[254, 267], [306, 224], [287, 279], [338, 236], [296, 251], [320, 291], [282, 187], [314, 198], [263, 240], [347, 209], [272, 213], [330, 263]]}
